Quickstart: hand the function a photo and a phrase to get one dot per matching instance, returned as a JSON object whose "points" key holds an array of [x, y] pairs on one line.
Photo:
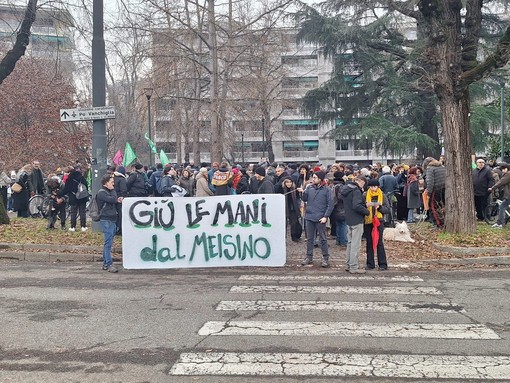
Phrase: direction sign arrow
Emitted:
{"points": [[86, 114]]}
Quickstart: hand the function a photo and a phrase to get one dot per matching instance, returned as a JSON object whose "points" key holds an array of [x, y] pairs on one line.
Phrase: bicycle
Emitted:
{"points": [[492, 212], [39, 206]]}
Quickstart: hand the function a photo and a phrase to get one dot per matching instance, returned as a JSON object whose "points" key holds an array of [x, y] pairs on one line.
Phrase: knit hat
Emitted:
{"points": [[317, 169], [373, 182], [138, 166], [260, 171], [121, 170], [235, 170], [338, 175], [320, 174]]}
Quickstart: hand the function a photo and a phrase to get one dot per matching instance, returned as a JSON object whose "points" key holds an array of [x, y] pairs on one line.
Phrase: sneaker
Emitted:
{"points": [[112, 269], [325, 263], [105, 267], [83, 229], [383, 268], [357, 271], [306, 261], [497, 226], [72, 229]]}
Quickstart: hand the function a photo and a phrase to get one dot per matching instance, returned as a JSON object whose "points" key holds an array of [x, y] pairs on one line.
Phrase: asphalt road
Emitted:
{"points": [[69, 322]]}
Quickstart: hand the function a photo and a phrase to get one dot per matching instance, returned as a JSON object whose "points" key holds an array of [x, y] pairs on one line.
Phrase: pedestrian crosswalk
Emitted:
{"points": [[410, 301]]}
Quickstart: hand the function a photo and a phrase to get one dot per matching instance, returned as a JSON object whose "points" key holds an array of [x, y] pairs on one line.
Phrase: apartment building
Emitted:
{"points": [[265, 94], [51, 34]]}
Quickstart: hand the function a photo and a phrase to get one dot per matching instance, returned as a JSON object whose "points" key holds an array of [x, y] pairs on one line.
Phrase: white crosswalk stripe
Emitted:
{"points": [[393, 290], [385, 307], [320, 278], [348, 365], [373, 330], [344, 365]]}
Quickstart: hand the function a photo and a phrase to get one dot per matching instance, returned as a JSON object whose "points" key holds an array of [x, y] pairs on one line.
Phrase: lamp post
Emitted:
{"points": [[242, 147], [148, 94], [502, 85], [263, 137]]}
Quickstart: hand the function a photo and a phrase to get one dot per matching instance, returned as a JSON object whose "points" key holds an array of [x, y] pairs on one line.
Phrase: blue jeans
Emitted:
{"points": [[341, 232], [109, 229], [502, 211], [312, 229]]}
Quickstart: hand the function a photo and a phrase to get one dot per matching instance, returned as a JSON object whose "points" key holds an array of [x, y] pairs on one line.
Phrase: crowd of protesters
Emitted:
{"points": [[348, 199]]}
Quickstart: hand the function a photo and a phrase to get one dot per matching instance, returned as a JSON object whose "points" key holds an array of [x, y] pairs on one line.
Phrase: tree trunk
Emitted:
{"points": [[459, 197], [22, 40], [216, 136]]}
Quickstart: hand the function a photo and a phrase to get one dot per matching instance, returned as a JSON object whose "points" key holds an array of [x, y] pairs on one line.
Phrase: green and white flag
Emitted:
{"points": [[164, 159], [129, 155], [152, 145]]}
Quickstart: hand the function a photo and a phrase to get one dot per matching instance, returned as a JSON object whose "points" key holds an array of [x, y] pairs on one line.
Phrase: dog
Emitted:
{"points": [[398, 233]]}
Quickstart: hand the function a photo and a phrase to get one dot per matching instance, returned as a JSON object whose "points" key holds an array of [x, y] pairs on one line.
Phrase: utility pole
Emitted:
{"points": [[99, 152]]}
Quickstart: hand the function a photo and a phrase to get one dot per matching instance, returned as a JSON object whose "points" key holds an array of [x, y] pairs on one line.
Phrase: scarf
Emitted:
{"points": [[370, 197]]}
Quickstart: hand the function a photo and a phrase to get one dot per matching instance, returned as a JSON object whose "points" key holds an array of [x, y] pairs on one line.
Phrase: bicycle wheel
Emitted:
{"points": [[491, 213], [35, 206], [45, 208]]}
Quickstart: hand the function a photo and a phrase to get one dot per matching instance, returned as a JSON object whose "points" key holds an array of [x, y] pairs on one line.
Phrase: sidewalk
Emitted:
{"points": [[75, 253]]}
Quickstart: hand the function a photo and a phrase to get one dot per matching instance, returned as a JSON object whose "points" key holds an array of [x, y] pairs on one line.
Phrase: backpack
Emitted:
{"points": [[158, 185], [94, 211], [81, 192], [166, 184]]}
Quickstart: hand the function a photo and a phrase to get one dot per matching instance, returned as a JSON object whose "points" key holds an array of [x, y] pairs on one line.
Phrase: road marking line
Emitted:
{"points": [[335, 290], [301, 278], [351, 329], [386, 307], [343, 365]]}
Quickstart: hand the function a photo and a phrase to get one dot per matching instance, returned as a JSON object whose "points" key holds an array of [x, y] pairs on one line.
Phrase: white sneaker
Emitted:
{"points": [[83, 229], [497, 226], [72, 229]]}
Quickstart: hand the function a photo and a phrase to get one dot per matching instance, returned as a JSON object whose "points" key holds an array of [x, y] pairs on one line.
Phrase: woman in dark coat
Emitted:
{"points": [[20, 200], [77, 205]]}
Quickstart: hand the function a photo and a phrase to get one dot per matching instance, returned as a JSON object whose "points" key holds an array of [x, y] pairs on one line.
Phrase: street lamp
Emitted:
{"points": [[502, 85], [242, 147], [148, 94]]}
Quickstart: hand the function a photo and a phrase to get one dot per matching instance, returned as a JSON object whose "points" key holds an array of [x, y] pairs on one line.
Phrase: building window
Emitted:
{"points": [[299, 146], [342, 145], [300, 82], [292, 125]]}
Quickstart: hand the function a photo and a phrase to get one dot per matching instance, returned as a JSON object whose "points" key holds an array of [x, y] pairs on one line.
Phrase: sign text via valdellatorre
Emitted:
{"points": [[226, 231]]}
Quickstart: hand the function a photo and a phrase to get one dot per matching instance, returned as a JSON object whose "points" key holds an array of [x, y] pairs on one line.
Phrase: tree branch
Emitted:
{"points": [[22, 40]]}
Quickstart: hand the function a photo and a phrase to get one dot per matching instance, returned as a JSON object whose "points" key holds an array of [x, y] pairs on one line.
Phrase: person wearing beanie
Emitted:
{"points": [[221, 179], [319, 205], [265, 186], [136, 182], [304, 176], [355, 212], [378, 205]]}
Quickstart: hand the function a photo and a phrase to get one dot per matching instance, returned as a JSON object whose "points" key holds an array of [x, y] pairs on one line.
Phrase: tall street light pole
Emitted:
{"points": [[148, 94], [502, 85], [99, 153], [242, 147]]}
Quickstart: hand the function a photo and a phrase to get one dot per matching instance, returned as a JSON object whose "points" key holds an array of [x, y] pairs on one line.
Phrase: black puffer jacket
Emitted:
{"points": [[482, 180], [136, 185], [71, 187], [354, 204]]}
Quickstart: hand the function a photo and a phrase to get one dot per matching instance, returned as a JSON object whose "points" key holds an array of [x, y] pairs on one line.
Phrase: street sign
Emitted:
{"points": [[85, 114]]}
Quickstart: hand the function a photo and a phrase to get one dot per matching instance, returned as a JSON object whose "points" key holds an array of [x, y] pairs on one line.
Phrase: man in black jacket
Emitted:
{"points": [[355, 212], [482, 181]]}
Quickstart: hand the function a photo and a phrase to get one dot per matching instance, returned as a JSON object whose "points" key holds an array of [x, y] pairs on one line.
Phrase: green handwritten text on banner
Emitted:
{"points": [[227, 231]]}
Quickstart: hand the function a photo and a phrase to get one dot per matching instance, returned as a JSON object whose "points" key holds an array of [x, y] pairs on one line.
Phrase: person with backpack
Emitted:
{"points": [[338, 214], [136, 182], [107, 200], [155, 180]]}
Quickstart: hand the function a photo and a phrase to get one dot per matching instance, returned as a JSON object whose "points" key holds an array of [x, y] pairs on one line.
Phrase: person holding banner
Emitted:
{"points": [[319, 205], [106, 202]]}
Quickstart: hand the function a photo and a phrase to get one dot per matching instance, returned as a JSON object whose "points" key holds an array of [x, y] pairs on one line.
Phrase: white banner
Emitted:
{"points": [[223, 231]]}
